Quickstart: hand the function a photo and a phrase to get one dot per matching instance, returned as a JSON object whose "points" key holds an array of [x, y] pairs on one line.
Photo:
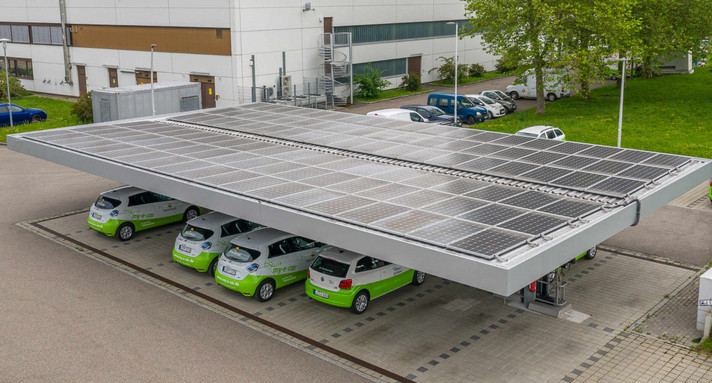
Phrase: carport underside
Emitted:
{"points": [[489, 210]]}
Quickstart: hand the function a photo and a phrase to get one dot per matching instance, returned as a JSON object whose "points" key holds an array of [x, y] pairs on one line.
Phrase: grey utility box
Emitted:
{"points": [[135, 101]]}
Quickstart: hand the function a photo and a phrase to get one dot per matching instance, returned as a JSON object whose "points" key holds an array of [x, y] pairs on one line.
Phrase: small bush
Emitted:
{"points": [[411, 82], [16, 88], [446, 72], [369, 83], [502, 66], [477, 70], [83, 109]]}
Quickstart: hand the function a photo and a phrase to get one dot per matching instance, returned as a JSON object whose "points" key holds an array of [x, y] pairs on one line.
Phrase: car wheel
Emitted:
{"points": [[190, 213], [36, 118], [265, 290], [213, 266], [490, 115], [360, 303], [418, 278], [551, 97], [125, 231], [470, 120], [514, 95], [591, 253]]}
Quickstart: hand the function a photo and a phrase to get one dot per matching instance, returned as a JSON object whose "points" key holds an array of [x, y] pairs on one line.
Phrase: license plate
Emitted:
{"points": [[320, 294], [96, 216], [229, 270], [184, 248]]}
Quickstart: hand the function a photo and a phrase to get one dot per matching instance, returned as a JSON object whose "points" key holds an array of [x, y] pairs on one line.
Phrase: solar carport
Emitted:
{"points": [[490, 210]]}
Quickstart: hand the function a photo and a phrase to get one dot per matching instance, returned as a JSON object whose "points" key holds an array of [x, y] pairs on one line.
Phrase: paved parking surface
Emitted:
{"points": [[441, 331]]}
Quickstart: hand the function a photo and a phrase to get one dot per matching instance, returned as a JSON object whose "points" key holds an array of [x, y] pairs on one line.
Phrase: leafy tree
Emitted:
{"points": [[446, 71], [476, 70], [410, 82], [83, 108], [369, 83], [16, 88], [522, 31]]}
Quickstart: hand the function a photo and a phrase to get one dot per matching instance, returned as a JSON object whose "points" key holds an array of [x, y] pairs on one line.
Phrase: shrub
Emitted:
{"points": [[411, 82], [503, 66], [16, 88], [477, 70], [369, 83], [446, 72], [83, 109]]}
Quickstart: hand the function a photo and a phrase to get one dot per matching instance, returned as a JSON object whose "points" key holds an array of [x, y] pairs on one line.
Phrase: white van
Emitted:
{"points": [[553, 87], [399, 114]]}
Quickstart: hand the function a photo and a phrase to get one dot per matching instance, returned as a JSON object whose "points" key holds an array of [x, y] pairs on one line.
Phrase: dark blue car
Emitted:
{"points": [[466, 110], [20, 115]]}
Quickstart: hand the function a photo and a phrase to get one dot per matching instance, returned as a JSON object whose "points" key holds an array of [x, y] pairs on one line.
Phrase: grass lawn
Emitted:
{"points": [[671, 114], [57, 115], [467, 80], [391, 93]]}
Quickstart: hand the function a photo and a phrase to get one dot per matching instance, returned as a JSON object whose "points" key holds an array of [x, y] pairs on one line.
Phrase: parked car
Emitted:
{"points": [[431, 113], [502, 98], [399, 114], [466, 110], [122, 212], [542, 131], [347, 279], [258, 262], [494, 109], [20, 115], [526, 87], [204, 238]]}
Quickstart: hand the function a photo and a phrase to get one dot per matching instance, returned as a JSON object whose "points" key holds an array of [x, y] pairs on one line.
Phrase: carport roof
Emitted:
{"points": [[491, 210]]}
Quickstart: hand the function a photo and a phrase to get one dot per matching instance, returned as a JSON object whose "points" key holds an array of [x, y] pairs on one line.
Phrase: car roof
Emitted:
{"points": [[341, 255], [537, 128], [420, 106], [211, 219], [387, 112], [260, 237], [123, 191]]}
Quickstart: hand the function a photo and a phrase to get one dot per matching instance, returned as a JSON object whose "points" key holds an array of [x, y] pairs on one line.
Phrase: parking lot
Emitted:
{"points": [[444, 331]]}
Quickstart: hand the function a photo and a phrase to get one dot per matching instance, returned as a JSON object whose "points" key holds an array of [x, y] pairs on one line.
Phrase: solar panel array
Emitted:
{"points": [[445, 209]]}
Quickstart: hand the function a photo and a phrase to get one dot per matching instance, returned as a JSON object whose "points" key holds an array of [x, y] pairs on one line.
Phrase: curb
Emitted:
{"points": [[393, 98], [649, 257]]}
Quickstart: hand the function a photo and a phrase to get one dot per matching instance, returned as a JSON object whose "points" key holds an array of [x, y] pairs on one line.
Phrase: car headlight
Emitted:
{"points": [[479, 114], [114, 213], [252, 267], [206, 245]]}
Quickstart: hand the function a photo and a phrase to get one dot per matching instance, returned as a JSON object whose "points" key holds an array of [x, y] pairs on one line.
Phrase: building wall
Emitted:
{"points": [[263, 28]]}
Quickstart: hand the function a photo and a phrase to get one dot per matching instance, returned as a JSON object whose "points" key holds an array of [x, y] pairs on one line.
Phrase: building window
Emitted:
{"points": [[403, 31], [40, 34], [20, 33], [395, 67], [45, 34], [144, 77], [21, 68]]}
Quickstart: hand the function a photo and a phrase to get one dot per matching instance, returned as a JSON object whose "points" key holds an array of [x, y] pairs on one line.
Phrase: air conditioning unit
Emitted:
{"points": [[286, 86]]}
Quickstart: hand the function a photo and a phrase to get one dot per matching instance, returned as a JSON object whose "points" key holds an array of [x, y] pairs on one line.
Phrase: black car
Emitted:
{"points": [[502, 98], [432, 113]]}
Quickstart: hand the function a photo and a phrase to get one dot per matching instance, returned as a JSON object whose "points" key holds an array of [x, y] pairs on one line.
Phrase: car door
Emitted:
{"points": [[4, 115], [284, 262], [393, 276], [447, 105], [19, 115], [367, 273], [140, 211], [305, 250], [166, 207]]}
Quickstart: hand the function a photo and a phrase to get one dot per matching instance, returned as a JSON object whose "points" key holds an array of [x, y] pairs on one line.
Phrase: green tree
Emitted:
{"points": [[446, 71], [521, 31], [16, 88], [83, 108], [369, 83]]}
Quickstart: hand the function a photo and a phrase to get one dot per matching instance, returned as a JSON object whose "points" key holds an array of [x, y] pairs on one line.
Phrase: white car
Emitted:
{"points": [[122, 212], [261, 261], [543, 131], [347, 279], [204, 238], [526, 88], [399, 114], [494, 109]]}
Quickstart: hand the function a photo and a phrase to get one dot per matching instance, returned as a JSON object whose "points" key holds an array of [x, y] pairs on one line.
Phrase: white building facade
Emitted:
{"points": [[213, 42]]}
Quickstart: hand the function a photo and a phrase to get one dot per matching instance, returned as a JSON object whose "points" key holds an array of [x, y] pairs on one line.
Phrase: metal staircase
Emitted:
{"points": [[337, 65]]}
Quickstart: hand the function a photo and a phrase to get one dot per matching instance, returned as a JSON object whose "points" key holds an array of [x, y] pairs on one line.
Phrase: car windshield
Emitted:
{"points": [[436, 111], [195, 233], [466, 102], [107, 203], [487, 100], [502, 94], [526, 134], [241, 254], [330, 267]]}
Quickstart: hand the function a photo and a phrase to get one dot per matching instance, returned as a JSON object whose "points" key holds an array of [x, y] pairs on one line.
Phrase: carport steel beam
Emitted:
{"points": [[503, 278]]}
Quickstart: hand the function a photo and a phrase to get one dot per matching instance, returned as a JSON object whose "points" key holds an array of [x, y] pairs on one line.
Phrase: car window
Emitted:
{"points": [[107, 203], [368, 263], [550, 134], [330, 267], [161, 197], [195, 233], [230, 228], [241, 254], [15, 109], [433, 101], [415, 117], [280, 248], [436, 112], [3, 109], [466, 102], [558, 132], [490, 94], [301, 243], [444, 102], [424, 112], [136, 200]]}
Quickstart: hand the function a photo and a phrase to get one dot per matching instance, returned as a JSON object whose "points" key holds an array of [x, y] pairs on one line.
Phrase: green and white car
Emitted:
{"points": [[122, 212], [261, 261], [347, 279], [204, 238]]}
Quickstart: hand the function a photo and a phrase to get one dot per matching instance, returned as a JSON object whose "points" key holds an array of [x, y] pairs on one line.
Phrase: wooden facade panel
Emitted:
{"points": [[208, 41]]}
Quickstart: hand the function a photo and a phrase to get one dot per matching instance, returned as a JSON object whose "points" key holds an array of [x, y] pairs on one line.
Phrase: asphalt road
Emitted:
{"points": [[65, 317]]}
